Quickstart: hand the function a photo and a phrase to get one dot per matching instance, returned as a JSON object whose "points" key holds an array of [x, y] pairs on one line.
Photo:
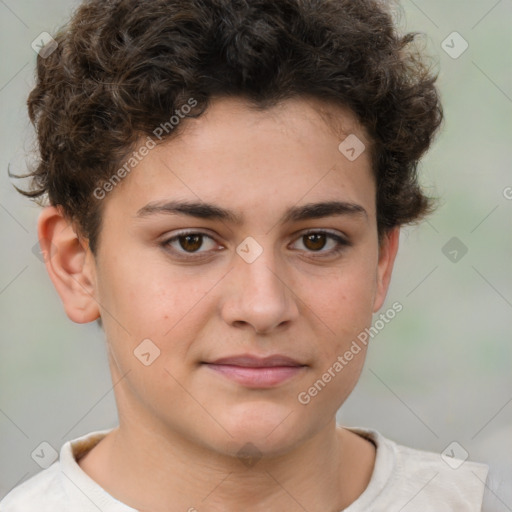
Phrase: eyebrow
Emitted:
{"points": [[209, 211]]}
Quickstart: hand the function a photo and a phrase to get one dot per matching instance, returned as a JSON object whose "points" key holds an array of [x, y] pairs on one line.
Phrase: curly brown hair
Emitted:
{"points": [[123, 67]]}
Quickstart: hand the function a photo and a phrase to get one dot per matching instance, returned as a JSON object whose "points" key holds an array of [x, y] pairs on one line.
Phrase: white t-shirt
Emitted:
{"points": [[404, 479]]}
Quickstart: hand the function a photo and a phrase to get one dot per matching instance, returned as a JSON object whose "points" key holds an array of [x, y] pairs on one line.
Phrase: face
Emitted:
{"points": [[245, 304]]}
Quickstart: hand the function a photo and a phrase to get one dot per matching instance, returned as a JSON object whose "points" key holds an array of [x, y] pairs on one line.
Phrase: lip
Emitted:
{"points": [[257, 372], [250, 361]]}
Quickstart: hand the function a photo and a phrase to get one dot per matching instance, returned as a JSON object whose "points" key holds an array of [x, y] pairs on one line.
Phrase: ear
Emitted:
{"points": [[387, 253], [70, 265]]}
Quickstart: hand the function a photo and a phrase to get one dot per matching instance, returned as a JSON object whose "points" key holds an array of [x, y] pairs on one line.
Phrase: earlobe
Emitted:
{"points": [[70, 265], [387, 254]]}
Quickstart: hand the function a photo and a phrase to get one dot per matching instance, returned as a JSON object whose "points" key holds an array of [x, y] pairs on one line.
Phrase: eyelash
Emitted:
{"points": [[341, 244]]}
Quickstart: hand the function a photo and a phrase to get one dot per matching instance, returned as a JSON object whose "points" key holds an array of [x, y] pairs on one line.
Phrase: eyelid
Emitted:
{"points": [[335, 234], [166, 243], [184, 232], [341, 240]]}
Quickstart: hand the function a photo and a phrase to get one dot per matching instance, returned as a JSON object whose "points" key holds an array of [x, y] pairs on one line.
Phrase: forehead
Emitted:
{"points": [[255, 162]]}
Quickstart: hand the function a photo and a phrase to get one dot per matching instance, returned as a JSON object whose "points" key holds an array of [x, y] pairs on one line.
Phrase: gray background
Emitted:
{"points": [[439, 372]]}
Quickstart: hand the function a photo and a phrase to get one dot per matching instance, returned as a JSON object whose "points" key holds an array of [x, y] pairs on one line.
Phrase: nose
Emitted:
{"points": [[258, 294]]}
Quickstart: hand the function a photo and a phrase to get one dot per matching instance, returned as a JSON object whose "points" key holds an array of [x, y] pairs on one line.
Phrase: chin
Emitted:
{"points": [[271, 428]]}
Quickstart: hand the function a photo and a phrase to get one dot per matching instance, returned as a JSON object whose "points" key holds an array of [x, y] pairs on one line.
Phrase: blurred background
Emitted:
{"points": [[439, 372]]}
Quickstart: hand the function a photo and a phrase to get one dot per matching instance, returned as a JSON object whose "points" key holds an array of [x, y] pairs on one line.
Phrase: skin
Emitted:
{"points": [[181, 425]]}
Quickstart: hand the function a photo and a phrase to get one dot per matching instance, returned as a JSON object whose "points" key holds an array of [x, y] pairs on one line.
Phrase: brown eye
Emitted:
{"points": [[190, 242], [188, 245], [315, 241]]}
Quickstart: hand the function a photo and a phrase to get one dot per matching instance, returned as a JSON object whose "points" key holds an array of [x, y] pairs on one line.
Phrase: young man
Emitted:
{"points": [[226, 184]]}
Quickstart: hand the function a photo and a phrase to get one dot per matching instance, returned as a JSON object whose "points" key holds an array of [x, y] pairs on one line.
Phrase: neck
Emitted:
{"points": [[152, 470]]}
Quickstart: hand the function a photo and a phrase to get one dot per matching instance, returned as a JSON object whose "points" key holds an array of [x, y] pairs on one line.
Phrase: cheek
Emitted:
{"points": [[149, 300], [343, 303], [150, 325], [145, 295], [345, 310]]}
